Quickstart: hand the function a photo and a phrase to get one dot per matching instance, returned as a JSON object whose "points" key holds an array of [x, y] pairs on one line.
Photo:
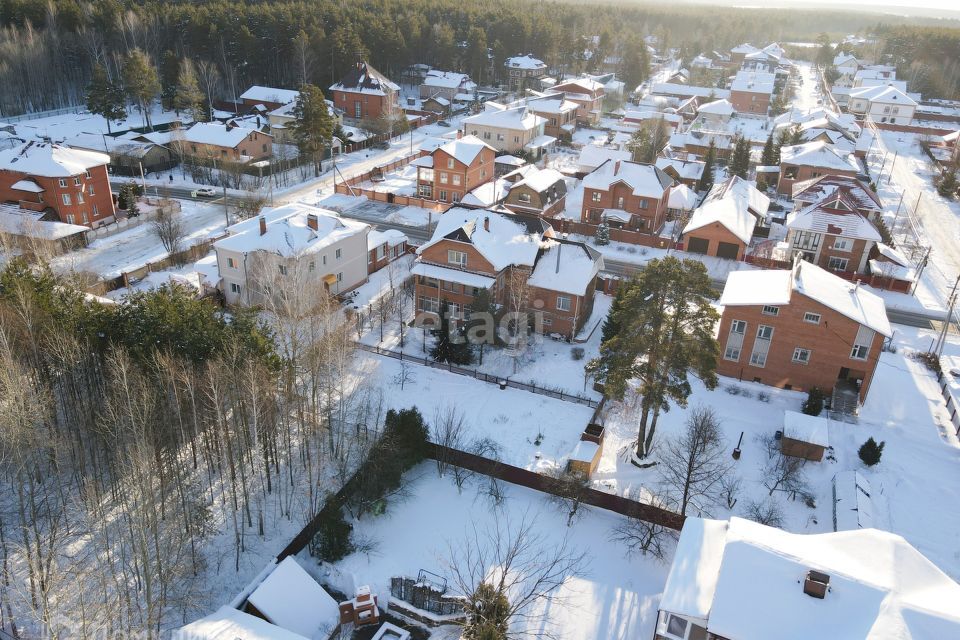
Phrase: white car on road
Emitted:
{"points": [[203, 192]]}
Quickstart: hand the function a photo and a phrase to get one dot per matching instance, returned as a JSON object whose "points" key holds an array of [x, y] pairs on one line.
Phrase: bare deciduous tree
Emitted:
{"points": [[766, 512], [169, 229], [515, 565], [783, 473], [643, 536], [570, 488], [448, 431], [693, 464]]}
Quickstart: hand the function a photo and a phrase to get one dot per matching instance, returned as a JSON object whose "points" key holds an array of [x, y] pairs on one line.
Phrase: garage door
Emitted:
{"points": [[727, 250], [697, 245]]}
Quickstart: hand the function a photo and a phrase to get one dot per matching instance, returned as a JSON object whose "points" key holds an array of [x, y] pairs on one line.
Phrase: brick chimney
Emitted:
{"points": [[486, 223], [312, 221], [263, 225]]}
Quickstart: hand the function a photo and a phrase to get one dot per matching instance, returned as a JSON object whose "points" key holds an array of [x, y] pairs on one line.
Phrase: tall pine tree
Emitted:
{"points": [[141, 82], [665, 325], [740, 158], [189, 97], [313, 124], [105, 98], [706, 178], [451, 345]]}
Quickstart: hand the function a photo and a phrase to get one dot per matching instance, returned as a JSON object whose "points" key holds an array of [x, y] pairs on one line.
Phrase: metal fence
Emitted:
{"points": [[559, 394]]}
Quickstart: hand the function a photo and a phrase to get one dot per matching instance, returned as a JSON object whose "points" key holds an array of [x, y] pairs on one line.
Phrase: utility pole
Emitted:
{"points": [[890, 175], [920, 268], [896, 216], [942, 338]]}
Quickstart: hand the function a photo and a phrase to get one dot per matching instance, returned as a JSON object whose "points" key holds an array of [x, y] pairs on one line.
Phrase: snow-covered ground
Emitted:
{"points": [[615, 599], [64, 126], [911, 485]]}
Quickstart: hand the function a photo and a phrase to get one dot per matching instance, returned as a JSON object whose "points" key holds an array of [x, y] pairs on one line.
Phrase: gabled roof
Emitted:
{"points": [[685, 169], [745, 581], [578, 86], [216, 134], [465, 149], [50, 160], [449, 80], [524, 62], [682, 197], [645, 180], [269, 94], [746, 47], [843, 58], [363, 78], [818, 154], [292, 600], [501, 239], [519, 118], [753, 82], [776, 286], [552, 103], [736, 204], [541, 180], [816, 189], [671, 89], [592, 156], [567, 267], [717, 107], [884, 94], [834, 214], [226, 623], [288, 232]]}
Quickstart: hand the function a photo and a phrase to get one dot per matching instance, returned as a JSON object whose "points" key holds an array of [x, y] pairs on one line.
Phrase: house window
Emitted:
{"points": [[443, 196], [340, 277], [456, 179], [859, 352], [429, 305], [90, 189], [231, 263], [79, 197], [563, 303], [842, 244], [66, 198], [458, 258], [76, 181], [356, 109], [499, 137], [837, 264], [677, 627], [324, 259], [765, 332], [770, 310], [524, 197], [96, 211], [731, 353], [812, 318], [339, 253], [234, 288], [443, 177], [516, 139], [70, 218], [87, 172], [449, 163], [801, 355], [486, 135], [63, 182], [738, 326], [282, 269], [620, 202], [761, 346], [595, 196], [84, 217], [312, 267], [861, 344], [806, 240], [381, 252], [643, 204]]}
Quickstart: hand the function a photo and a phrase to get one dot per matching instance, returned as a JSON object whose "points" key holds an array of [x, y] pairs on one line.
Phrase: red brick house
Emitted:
{"points": [[588, 94], [751, 92], [455, 169], [627, 195], [801, 328], [723, 224], [383, 247], [507, 255], [865, 199], [540, 192], [832, 233], [269, 97], [801, 162], [225, 142], [365, 93], [65, 184]]}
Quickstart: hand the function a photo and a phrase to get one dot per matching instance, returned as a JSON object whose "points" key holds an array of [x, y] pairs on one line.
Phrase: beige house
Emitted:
{"points": [[510, 130], [291, 248], [225, 142]]}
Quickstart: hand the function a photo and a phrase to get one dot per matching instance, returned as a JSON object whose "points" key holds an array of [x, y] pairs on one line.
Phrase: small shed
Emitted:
{"points": [[804, 436], [292, 600], [584, 458]]}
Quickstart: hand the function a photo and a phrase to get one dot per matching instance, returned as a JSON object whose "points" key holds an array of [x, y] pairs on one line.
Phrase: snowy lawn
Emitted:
{"points": [[617, 598], [912, 483], [131, 249], [532, 431]]}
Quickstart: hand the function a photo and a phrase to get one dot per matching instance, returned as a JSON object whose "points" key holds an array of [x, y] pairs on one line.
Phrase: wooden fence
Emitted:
{"points": [[616, 235]]}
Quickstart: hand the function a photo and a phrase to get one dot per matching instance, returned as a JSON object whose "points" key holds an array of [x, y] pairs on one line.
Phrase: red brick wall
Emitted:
{"points": [[749, 102], [99, 181], [830, 343], [437, 254], [653, 215], [471, 176], [371, 106], [853, 257], [714, 234], [804, 172]]}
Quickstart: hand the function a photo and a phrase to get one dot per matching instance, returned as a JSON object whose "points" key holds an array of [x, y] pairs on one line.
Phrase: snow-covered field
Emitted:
{"points": [[615, 599]]}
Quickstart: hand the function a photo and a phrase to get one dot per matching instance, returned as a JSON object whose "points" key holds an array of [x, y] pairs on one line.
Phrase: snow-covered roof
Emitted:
{"points": [[292, 600], [646, 181], [519, 118], [524, 62], [686, 169], [692, 581], [672, 89], [27, 185], [834, 214], [288, 231], [553, 104], [502, 240], [567, 267], [892, 254], [216, 134], [811, 429], [753, 82], [449, 80], [510, 160], [682, 197], [50, 160], [735, 203], [717, 107], [884, 94], [746, 47], [363, 78], [540, 179], [21, 222], [391, 237], [852, 503], [466, 278], [226, 623], [776, 286], [881, 588], [642, 115], [269, 94], [465, 149], [886, 269], [582, 86], [206, 267], [843, 58], [818, 154], [592, 156], [539, 142]]}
